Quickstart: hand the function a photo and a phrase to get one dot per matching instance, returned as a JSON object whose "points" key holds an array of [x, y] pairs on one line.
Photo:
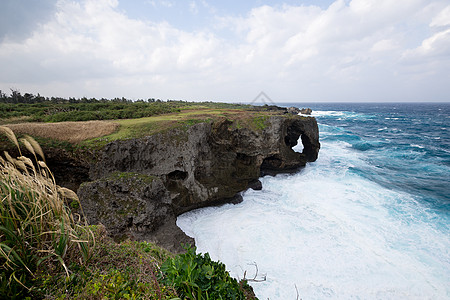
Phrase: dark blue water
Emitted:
{"points": [[407, 145], [368, 220]]}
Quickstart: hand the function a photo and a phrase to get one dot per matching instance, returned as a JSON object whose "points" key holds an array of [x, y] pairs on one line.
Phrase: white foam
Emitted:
{"points": [[320, 113], [417, 146], [330, 233], [341, 115]]}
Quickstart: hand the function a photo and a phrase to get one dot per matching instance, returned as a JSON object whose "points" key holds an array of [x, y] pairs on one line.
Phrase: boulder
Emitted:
{"points": [[134, 206], [293, 110], [306, 111]]}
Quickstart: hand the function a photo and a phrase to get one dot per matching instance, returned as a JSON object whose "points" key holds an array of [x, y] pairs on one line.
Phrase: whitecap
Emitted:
{"points": [[319, 113], [417, 146]]}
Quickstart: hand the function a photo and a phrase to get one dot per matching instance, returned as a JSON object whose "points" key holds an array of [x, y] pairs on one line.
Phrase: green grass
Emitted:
{"points": [[147, 179], [136, 119], [137, 128], [59, 110], [126, 270], [260, 122], [140, 270]]}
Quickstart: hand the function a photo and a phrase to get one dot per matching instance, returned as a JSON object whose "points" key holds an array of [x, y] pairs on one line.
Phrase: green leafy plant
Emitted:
{"points": [[196, 276]]}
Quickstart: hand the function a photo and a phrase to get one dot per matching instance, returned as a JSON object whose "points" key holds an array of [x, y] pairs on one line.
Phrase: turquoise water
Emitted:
{"points": [[368, 220]]}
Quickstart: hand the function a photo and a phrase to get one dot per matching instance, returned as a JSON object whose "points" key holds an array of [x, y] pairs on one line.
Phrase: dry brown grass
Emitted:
{"points": [[15, 120], [73, 132], [38, 232]]}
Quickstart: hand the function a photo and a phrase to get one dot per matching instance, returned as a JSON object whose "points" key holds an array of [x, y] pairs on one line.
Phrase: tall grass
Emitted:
{"points": [[38, 232]]}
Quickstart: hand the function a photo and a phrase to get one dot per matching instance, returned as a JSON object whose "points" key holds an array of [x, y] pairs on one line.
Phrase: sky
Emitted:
{"points": [[205, 50]]}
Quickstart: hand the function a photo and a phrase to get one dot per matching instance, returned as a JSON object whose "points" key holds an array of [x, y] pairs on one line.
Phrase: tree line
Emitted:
{"points": [[17, 107], [56, 109], [16, 96]]}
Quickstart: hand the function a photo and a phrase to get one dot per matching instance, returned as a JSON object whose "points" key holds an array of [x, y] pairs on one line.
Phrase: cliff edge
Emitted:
{"points": [[139, 186], [139, 176]]}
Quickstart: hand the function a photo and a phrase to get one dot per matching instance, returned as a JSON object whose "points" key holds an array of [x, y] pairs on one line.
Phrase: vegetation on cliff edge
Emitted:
{"points": [[46, 252], [16, 108], [96, 134]]}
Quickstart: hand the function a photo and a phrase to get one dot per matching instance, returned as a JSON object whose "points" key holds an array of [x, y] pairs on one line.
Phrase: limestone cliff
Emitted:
{"points": [[139, 186]]}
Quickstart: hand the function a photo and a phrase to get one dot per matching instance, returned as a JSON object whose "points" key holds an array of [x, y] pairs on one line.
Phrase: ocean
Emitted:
{"points": [[370, 219]]}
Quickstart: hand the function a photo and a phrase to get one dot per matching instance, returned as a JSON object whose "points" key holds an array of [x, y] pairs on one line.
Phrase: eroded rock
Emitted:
{"points": [[180, 170], [293, 110], [135, 206], [306, 111]]}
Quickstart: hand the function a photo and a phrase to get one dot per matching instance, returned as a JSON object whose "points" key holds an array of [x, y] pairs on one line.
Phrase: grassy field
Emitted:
{"points": [[95, 134], [72, 132], [65, 110]]}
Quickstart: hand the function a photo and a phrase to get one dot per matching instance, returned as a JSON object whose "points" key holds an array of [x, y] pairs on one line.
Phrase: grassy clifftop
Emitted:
{"points": [[64, 110], [107, 124]]}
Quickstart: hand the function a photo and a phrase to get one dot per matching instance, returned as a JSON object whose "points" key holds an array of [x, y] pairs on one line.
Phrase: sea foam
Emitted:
{"points": [[328, 233], [341, 228]]}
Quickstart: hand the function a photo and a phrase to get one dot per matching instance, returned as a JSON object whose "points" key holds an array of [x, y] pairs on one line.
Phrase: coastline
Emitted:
{"points": [[346, 224], [137, 186]]}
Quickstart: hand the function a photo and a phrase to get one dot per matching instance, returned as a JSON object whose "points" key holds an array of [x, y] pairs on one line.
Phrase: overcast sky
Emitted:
{"points": [[293, 50]]}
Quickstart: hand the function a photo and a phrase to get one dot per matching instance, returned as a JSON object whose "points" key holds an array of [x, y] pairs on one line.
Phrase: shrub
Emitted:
{"points": [[125, 270], [196, 276]]}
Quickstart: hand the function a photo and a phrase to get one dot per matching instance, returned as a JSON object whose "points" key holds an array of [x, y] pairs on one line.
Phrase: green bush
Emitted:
{"points": [[196, 276], [125, 270]]}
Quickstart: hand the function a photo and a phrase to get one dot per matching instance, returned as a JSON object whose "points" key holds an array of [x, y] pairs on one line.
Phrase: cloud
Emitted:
{"points": [[18, 19], [442, 18], [435, 48], [95, 31], [352, 50], [432, 56]]}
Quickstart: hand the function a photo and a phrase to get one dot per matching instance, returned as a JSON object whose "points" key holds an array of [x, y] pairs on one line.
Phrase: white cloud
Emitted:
{"points": [[345, 52], [384, 45], [441, 19], [436, 46]]}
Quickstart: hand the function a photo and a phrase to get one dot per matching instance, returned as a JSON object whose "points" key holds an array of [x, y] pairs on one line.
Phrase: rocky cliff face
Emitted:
{"points": [[139, 186], [133, 205]]}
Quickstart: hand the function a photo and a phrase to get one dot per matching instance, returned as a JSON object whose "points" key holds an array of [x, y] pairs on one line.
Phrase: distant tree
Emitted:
{"points": [[28, 98], [16, 97], [39, 98], [3, 97]]}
